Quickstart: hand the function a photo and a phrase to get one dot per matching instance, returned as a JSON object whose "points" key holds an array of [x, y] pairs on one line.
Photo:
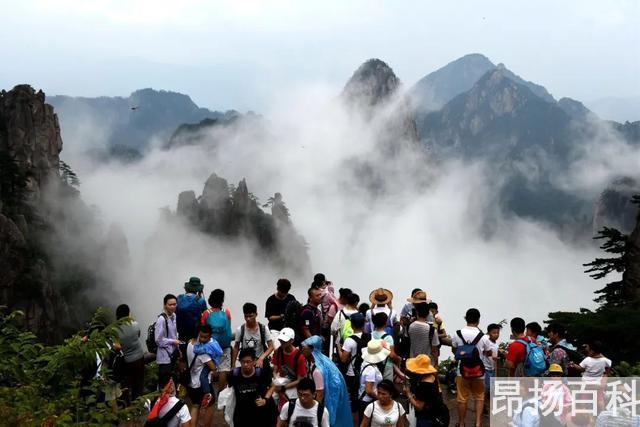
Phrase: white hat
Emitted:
{"points": [[286, 335], [376, 351]]}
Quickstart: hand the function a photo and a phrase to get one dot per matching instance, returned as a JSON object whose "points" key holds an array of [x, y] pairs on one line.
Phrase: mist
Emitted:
{"points": [[429, 235]]}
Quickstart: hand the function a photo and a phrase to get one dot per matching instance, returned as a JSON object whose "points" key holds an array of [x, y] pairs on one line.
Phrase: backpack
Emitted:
{"points": [[535, 362], [292, 317], [468, 357], [188, 312], [262, 338], [357, 360], [292, 407], [347, 330], [279, 359], [373, 409], [152, 346], [163, 421], [220, 328], [116, 365]]}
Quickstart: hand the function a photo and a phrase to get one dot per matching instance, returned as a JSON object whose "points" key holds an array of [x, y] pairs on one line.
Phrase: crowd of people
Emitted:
{"points": [[333, 359]]}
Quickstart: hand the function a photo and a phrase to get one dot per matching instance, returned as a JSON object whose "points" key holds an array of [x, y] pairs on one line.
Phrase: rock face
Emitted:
{"points": [[51, 250], [233, 213], [614, 208], [131, 121], [372, 84], [576, 109]]}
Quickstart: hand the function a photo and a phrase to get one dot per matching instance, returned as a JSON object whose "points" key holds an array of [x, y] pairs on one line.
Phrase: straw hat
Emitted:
{"points": [[376, 351], [418, 298], [421, 365], [381, 296]]}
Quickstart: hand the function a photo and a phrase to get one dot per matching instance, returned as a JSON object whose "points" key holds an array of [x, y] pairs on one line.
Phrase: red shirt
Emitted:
{"points": [[289, 361], [517, 352]]}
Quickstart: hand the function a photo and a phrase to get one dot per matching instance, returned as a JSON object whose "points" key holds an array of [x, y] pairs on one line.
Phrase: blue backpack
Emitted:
{"points": [[220, 327], [535, 362], [468, 357], [188, 313]]}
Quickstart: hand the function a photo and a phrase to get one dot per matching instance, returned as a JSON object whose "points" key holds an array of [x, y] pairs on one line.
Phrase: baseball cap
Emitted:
{"points": [[286, 335]]}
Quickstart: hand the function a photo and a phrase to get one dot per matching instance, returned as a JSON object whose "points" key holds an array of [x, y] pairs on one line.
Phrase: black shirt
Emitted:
{"points": [[248, 389], [429, 393], [276, 307]]}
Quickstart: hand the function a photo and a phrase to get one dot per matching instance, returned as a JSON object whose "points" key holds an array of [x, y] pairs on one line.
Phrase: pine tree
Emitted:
{"points": [[68, 176]]}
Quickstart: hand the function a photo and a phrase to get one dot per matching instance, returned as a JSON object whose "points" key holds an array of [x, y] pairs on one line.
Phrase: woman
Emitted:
{"points": [[336, 397], [385, 411], [374, 357], [424, 393]]}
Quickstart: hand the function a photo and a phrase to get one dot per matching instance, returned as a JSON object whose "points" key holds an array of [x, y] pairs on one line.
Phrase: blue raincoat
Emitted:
{"points": [[336, 397]]}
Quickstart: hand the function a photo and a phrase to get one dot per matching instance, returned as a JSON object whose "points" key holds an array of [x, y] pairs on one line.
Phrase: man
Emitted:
{"points": [[220, 321], [338, 329], [166, 337], [423, 336], [277, 304], [304, 411], [470, 388], [196, 363], [310, 317], [129, 344], [253, 335], [517, 351], [289, 363], [251, 385], [350, 357], [534, 331], [189, 310]]}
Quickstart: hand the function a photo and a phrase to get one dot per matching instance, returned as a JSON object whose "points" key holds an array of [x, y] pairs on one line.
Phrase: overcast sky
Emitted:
{"points": [[242, 54]]}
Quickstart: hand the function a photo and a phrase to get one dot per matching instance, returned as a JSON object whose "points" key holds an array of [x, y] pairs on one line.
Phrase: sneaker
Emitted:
{"points": [[206, 400]]}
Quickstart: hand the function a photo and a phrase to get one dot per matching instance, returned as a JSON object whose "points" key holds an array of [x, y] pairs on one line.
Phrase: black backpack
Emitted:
{"points": [[151, 334], [116, 363], [163, 421], [292, 407], [361, 342], [292, 317]]}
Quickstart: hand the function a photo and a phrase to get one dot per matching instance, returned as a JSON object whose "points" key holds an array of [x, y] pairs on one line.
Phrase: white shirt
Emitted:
{"points": [[470, 333], [391, 313], [370, 374], [351, 347], [181, 417], [252, 338], [338, 321], [303, 414], [380, 418], [197, 367], [595, 366], [488, 360]]}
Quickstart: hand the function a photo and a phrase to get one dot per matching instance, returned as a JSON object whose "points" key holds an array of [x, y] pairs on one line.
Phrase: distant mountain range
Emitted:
{"points": [[133, 121], [469, 109]]}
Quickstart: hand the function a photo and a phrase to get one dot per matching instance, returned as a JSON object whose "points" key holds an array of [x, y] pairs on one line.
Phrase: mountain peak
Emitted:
{"points": [[373, 82]]}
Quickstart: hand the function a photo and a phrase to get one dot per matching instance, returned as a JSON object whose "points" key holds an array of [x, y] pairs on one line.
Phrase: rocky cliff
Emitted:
{"points": [[50, 248], [614, 208], [228, 212]]}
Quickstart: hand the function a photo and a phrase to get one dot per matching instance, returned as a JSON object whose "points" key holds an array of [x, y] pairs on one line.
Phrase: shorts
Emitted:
{"points": [[469, 388], [225, 360], [196, 395]]}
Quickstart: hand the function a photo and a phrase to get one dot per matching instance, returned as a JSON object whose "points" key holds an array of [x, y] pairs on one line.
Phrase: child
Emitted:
{"points": [[213, 349]]}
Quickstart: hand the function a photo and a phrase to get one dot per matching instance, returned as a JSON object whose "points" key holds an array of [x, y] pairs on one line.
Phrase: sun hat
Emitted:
{"points": [[418, 298], [381, 296], [555, 368], [421, 365], [286, 335], [376, 351], [194, 285]]}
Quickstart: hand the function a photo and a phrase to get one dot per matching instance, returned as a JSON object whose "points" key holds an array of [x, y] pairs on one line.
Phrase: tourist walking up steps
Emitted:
{"points": [[385, 411]]}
